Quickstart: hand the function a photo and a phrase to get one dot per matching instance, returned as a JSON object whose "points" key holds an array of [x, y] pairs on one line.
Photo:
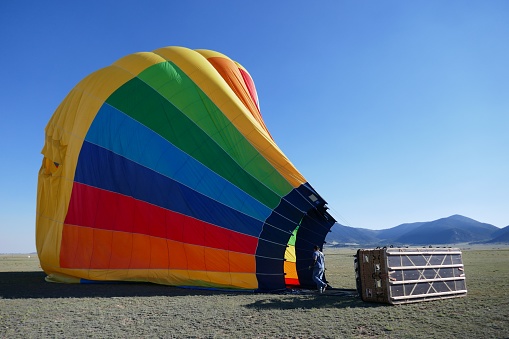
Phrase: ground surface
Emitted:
{"points": [[33, 308]]}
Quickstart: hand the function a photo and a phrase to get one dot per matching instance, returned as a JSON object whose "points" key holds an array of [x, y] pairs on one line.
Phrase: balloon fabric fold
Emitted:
{"points": [[160, 168]]}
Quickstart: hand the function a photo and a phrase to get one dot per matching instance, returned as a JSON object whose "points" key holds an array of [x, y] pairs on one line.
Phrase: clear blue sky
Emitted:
{"points": [[395, 111]]}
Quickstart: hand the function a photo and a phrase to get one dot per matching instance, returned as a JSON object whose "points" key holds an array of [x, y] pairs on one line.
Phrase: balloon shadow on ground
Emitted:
{"points": [[32, 285], [26, 285]]}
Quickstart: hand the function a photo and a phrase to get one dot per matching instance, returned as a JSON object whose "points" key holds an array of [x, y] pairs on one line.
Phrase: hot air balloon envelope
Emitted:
{"points": [[159, 168]]}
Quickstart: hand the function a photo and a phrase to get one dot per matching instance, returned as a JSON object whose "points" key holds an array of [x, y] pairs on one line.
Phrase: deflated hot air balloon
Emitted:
{"points": [[159, 168]]}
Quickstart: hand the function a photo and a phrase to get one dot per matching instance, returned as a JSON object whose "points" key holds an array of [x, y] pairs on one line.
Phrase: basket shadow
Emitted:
{"points": [[311, 301]]}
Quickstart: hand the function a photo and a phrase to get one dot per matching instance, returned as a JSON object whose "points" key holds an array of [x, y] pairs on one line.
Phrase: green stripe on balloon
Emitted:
{"points": [[138, 100], [173, 84]]}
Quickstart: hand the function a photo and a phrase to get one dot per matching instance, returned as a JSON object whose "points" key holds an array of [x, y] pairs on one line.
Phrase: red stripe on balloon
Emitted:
{"points": [[100, 209], [250, 86]]}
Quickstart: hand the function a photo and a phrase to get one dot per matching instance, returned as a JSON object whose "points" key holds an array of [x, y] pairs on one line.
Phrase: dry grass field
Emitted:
{"points": [[33, 308]]}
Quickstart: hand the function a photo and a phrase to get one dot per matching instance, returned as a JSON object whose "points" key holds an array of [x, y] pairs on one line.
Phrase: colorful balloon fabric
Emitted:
{"points": [[159, 168]]}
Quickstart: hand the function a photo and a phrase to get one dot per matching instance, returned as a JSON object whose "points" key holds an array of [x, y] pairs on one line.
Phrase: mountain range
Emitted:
{"points": [[451, 230]]}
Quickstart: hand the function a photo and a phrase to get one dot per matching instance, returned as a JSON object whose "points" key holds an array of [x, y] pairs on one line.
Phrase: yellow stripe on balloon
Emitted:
{"points": [[163, 276]]}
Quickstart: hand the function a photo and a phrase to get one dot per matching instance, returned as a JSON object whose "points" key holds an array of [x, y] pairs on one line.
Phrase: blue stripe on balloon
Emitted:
{"points": [[101, 168], [119, 133]]}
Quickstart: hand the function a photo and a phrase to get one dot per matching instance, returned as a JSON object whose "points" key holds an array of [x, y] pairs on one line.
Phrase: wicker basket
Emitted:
{"points": [[404, 275]]}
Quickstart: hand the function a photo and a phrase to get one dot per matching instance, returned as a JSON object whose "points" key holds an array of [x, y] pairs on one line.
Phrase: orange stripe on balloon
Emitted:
{"points": [[86, 248], [290, 270], [233, 77]]}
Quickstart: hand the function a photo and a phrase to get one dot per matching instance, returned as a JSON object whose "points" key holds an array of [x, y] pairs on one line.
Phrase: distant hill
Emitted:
{"points": [[393, 233], [454, 229], [500, 236], [450, 230], [351, 235]]}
